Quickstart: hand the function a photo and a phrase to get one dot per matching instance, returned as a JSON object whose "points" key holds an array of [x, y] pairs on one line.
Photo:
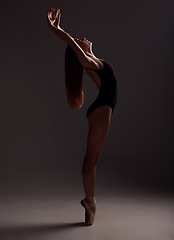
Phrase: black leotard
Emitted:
{"points": [[108, 92]]}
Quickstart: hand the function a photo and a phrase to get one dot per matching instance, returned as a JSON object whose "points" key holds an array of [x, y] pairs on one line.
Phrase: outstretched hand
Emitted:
{"points": [[54, 19]]}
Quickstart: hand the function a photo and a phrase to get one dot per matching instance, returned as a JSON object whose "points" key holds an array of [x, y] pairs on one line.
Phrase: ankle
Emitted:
{"points": [[90, 199]]}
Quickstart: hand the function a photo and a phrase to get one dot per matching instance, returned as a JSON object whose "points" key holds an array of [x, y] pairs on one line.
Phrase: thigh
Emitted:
{"points": [[99, 123]]}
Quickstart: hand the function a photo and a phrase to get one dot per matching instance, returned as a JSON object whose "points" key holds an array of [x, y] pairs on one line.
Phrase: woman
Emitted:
{"points": [[79, 56]]}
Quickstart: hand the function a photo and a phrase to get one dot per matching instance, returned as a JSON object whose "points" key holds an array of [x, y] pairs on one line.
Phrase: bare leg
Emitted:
{"points": [[99, 122]]}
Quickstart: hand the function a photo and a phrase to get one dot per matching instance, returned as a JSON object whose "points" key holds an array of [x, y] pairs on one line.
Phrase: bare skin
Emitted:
{"points": [[99, 119]]}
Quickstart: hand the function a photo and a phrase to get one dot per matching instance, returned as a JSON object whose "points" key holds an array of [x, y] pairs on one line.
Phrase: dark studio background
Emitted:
{"points": [[43, 141]]}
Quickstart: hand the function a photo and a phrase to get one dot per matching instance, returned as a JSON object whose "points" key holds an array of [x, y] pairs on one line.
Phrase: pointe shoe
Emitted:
{"points": [[90, 209]]}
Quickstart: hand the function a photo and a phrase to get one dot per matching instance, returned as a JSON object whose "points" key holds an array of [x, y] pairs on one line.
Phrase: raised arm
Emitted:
{"points": [[54, 24]]}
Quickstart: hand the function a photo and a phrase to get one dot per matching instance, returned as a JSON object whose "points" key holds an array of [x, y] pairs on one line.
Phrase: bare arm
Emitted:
{"points": [[54, 24]]}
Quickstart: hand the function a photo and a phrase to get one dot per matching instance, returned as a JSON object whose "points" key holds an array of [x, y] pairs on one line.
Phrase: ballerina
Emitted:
{"points": [[79, 56]]}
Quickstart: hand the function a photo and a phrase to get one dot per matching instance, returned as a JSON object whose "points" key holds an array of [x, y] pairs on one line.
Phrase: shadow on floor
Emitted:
{"points": [[29, 231]]}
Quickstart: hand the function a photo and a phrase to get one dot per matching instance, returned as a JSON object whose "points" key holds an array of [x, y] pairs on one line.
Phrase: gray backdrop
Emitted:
{"points": [[43, 141]]}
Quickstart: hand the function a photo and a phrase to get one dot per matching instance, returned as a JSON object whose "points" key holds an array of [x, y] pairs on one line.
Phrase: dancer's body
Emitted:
{"points": [[99, 113]]}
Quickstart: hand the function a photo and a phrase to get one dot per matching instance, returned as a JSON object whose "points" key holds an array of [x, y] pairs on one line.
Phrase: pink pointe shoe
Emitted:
{"points": [[90, 210]]}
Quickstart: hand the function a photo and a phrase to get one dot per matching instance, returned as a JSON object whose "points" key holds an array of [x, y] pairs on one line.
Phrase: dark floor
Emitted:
{"points": [[119, 216]]}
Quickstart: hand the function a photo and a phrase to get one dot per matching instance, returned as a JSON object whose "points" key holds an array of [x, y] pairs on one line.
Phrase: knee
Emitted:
{"points": [[92, 157], [91, 160]]}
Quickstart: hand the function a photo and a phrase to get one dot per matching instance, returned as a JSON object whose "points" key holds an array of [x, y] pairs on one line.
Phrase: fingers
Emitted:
{"points": [[54, 18], [59, 17], [49, 14], [57, 12], [57, 21], [52, 10]]}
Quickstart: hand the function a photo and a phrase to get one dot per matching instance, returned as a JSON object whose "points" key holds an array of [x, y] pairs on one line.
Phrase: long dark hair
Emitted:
{"points": [[73, 79]]}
